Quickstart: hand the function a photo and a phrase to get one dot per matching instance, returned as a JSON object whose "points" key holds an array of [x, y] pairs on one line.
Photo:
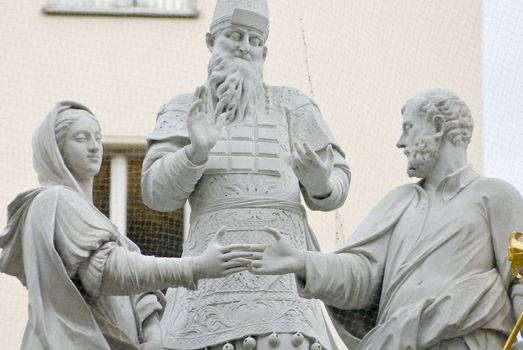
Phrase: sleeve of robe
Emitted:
{"points": [[350, 278], [307, 125], [168, 176], [90, 248], [346, 280]]}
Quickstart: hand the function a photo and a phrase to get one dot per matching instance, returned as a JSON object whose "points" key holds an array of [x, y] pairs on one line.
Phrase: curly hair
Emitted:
{"points": [[457, 123]]}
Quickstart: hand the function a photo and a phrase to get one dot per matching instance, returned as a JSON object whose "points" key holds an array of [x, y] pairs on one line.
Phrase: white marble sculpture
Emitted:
{"points": [[433, 252], [89, 287], [242, 152]]}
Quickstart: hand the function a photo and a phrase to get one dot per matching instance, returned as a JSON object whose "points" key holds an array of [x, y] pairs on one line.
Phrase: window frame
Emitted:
{"points": [[188, 11]]}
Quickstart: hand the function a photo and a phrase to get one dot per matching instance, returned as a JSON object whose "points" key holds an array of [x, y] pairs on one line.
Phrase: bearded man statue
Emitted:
{"points": [[243, 154], [427, 268]]}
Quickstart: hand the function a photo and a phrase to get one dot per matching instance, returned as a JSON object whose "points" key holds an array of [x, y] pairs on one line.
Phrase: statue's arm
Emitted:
{"points": [[307, 126], [113, 270], [168, 176], [505, 213], [346, 280]]}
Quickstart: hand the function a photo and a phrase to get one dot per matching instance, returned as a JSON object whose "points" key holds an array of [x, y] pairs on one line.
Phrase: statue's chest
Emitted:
{"points": [[258, 146]]}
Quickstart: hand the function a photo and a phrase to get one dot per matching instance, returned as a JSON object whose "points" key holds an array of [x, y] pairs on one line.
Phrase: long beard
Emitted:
{"points": [[237, 81], [424, 157]]}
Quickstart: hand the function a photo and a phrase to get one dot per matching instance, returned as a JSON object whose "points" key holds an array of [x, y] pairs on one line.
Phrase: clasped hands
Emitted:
{"points": [[280, 257], [222, 260]]}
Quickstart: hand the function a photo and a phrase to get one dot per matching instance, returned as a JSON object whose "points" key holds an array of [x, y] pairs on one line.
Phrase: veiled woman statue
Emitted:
{"points": [[89, 287]]}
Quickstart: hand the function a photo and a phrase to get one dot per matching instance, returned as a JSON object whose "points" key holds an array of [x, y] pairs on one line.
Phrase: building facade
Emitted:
{"points": [[359, 61]]}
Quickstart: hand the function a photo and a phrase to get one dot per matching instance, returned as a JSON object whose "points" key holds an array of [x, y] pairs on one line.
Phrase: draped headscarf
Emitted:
{"points": [[51, 169], [59, 317], [47, 160]]}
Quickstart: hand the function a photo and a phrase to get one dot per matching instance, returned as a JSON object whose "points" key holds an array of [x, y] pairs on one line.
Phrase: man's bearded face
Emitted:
{"points": [[236, 71], [424, 157], [420, 143]]}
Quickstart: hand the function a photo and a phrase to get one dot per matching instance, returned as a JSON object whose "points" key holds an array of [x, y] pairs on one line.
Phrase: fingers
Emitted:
{"points": [[257, 247], [197, 93], [301, 153], [236, 263], [205, 100], [245, 260], [228, 248], [298, 171], [256, 267], [245, 248], [195, 107], [311, 154], [256, 256], [234, 255], [219, 234], [273, 232], [241, 256]]}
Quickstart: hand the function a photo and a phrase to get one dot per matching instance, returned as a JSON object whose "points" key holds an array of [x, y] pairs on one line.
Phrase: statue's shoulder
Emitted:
{"points": [[496, 188], [61, 193], [400, 192], [56, 196], [181, 103], [47, 193], [290, 98], [171, 122]]}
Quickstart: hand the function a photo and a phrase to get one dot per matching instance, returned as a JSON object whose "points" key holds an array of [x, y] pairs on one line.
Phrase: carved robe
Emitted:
{"points": [[433, 270], [246, 185]]}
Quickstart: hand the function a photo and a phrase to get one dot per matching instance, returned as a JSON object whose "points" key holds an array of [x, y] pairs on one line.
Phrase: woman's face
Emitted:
{"points": [[82, 148]]}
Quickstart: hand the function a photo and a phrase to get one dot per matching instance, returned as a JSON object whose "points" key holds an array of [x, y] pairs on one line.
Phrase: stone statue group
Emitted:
{"points": [[427, 268]]}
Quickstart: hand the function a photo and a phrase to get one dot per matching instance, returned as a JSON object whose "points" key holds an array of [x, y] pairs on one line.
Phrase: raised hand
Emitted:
{"points": [[279, 258], [204, 129], [220, 261], [312, 171]]}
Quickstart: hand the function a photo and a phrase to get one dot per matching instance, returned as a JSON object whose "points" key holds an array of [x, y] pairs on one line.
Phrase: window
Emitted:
{"points": [[117, 193], [148, 8]]}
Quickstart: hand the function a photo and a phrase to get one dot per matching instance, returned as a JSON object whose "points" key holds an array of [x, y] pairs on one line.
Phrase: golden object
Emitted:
{"points": [[515, 253], [515, 257]]}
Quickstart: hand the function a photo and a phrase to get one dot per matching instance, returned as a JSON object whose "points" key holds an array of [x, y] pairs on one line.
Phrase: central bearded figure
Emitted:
{"points": [[243, 153]]}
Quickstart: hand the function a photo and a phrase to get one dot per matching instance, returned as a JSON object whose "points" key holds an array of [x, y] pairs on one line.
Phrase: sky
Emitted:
{"points": [[503, 90]]}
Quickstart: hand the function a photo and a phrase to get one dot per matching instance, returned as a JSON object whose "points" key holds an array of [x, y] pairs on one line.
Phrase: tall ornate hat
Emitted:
{"points": [[249, 13]]}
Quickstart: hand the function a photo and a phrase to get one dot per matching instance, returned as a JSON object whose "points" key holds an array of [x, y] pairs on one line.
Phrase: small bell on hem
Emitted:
{"points": [[297, 339], [249, 343], [274, 340]]}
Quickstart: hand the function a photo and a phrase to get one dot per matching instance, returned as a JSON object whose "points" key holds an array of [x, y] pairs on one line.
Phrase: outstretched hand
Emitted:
{"points": [[279, 258], [312, 171], [222, 260]]}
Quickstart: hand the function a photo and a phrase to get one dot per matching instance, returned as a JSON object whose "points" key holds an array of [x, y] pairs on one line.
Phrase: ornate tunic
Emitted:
{"points": [[246, 185]]}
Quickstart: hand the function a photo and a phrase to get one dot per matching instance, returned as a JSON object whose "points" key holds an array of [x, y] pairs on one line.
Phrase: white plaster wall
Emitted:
{"points": [[365, 59], [503, 90]]}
